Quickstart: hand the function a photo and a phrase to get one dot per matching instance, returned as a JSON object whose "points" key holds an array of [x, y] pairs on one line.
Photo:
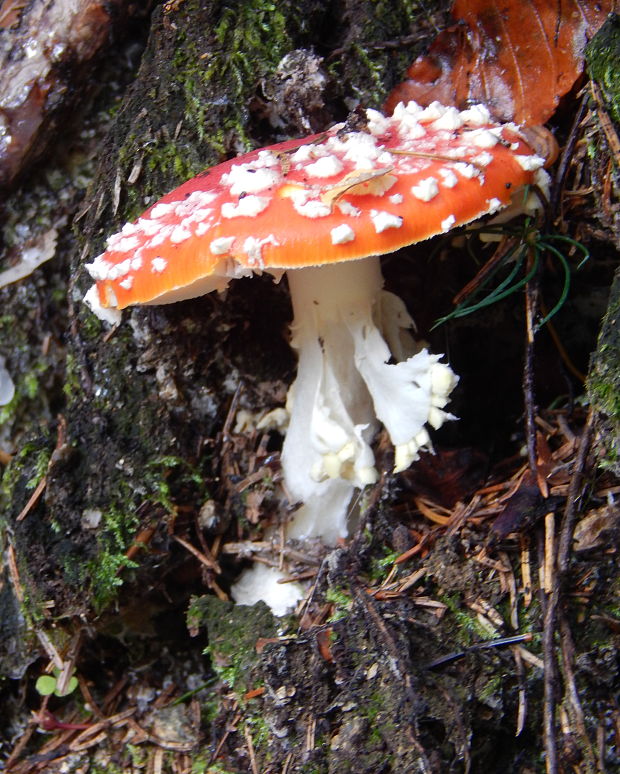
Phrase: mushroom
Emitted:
{"points": [[323, 209]]}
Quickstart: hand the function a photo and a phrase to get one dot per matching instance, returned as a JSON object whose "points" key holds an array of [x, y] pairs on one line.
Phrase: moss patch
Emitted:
{"points": [[602, 57], [233, 632], [604, 381]]}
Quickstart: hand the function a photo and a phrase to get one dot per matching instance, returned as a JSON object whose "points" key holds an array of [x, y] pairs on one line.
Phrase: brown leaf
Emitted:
{"points": [[516, 56], [521, 510], [596, 528], [447, 476]]}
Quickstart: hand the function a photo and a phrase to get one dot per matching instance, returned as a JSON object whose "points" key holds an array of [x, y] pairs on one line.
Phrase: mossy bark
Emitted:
{"points": [[602, 57], [604, 383]]}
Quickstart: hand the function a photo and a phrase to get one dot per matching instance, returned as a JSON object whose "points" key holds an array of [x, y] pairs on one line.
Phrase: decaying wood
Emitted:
{"points": [[48, 49]]}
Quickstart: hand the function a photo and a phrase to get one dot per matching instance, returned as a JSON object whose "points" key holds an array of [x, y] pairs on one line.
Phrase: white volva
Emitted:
{"points": [[345, 329]]}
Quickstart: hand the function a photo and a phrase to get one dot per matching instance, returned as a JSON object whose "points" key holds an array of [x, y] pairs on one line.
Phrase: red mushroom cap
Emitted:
{"points": [[330, 197]]}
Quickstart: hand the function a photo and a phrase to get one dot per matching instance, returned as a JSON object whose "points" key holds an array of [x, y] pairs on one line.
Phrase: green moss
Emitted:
{"points": [[492, 688], [107, 768], [138, 755], [167, 156], [90, 327], [373, 90], [168, 473], [380, 566], [40, 465], [71, 387], [27, 388], [260, 730], [341, 600], [216, 64], [602, 56], [101, 573], [604, 382], [469, 629], [249, 41], [233, 632], [27, 467], [370, 68], [252, 34], [199, 766], [91, 563]]}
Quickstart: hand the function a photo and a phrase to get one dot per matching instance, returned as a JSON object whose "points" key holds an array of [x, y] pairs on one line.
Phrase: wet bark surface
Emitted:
{"points": [[120, 448]]}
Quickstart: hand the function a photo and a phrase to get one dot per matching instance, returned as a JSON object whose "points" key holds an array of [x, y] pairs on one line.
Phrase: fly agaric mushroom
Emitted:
{"points": [[323, 209]]}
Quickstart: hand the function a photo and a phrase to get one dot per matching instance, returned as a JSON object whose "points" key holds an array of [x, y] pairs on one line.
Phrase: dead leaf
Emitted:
{"points": [[595, 528], [518, 57], [10, 13], [521, 510]]}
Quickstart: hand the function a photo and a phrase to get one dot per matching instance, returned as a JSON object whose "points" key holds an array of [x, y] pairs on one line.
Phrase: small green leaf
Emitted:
{"points": [[71, 686], [45, 685]]}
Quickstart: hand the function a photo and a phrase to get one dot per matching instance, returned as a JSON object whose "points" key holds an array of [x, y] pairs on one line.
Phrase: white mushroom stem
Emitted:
{"points": [[345, 386]]}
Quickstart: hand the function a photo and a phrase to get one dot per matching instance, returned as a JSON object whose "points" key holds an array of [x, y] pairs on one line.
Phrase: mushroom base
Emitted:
{"points": [[347, 330]]}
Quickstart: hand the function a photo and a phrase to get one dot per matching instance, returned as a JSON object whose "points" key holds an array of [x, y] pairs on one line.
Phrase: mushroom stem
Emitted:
{"points": [[345, 386]]}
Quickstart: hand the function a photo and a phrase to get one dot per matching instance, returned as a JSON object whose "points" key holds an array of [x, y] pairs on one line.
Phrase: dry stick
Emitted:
{"points": [[605, 121], [575, 709], [531, 305], [557, 189], [251, 753], [60, 445], [522, 706], [22, 742], [550, 680], [549, 620], [500, 253], [564, 544], [574, 495], [229, 729], [553, 599], [205, 559], [287, 763]]}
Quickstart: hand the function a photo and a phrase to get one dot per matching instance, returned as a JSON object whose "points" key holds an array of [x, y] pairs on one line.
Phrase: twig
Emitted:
{"points": [[522, 708], [20, 746], [251, 753], [526, 573], [550, 682], [531, 306], [574, 495], [566, 158], [553, 599], [504, 247], [60, 445], [208, 561], [488, 644], [549, 566], [232, 726], [575, 710], [14, 573], [605, 122], [287, 763], [34, 497]]}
